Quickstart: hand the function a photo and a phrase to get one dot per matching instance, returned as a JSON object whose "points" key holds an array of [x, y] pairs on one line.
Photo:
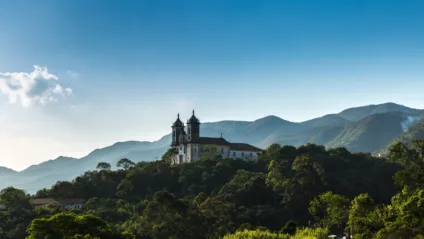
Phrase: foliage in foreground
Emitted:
{"points": [[287, 188], [305, 233], [71, 226]]}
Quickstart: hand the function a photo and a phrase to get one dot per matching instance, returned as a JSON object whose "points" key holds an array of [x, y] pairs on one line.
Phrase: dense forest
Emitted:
{"points": [[304, 192]]}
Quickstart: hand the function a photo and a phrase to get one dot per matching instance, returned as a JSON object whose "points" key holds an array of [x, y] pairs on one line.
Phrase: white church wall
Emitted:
{"points": [[243, 154], [195, 152], [189, 147], [224, 151]]}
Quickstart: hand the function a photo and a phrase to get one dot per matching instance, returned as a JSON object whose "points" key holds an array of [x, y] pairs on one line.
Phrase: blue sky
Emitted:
{"points": [[131, 66]]}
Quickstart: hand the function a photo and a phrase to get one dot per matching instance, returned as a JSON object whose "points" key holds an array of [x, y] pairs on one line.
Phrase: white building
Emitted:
{"points": [[190, 146], [72, 203]]}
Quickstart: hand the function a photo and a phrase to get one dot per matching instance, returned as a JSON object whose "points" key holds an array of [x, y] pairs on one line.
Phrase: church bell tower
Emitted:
{"points": [[177, 131], [193, 128]]}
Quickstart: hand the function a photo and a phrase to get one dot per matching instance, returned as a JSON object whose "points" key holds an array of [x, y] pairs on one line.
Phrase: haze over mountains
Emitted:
{"points": [[369, 128]]}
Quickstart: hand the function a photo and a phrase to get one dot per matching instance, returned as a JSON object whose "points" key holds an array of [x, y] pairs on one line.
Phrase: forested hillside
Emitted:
{"points": [[370, 133], [414, 132], [286, 193]]}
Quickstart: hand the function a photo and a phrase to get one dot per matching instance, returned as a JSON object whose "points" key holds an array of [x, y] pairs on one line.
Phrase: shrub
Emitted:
{"points": [[304, 233]]}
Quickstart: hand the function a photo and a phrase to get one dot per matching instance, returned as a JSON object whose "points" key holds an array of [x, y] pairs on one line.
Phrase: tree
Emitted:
{"points": [[213, 197], [308, 173], [218, 216], [70, 226], [43, 193], [125, 163], [413, 161], [405, 216], [272, 153], [289, 228], [124, 188], [329, 210], [168, 217], [209, 152], [14, 199], [282, 185], [302, 233], [247, 188], [200, 198], [169, 155], [364, 217], [274, 176], [62, 189], [103, 166]]}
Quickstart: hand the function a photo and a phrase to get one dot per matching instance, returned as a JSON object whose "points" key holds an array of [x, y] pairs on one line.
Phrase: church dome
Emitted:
{"points": [[193, 120], [178, 122]]}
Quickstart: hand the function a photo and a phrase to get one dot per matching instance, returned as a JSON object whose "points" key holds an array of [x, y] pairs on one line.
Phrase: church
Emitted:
{"points": [[190, 146]]}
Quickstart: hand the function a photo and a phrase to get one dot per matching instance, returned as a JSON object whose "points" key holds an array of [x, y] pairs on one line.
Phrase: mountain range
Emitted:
{"points": [[370, 128]]}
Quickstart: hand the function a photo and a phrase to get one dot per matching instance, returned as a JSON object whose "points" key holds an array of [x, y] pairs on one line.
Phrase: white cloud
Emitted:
{"points": [[38, 86], [68, 91], [73, 73]]}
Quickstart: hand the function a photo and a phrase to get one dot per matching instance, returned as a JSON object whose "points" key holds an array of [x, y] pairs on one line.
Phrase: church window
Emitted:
{"points": [[234, 154], [242, 154], [189, 130], [222, 150], [251, 154]]}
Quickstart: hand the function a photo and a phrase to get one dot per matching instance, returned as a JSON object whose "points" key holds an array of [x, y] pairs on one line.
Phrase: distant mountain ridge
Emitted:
{"points": [[7, 171], [370, 133], [360, 129], [358, 113], [326, 120]]}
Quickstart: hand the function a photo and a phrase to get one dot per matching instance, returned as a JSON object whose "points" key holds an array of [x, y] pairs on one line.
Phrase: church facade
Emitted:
{"points": [[191, 147]]}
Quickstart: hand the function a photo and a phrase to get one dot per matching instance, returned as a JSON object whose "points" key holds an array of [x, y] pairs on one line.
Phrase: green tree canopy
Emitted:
{"points": [[125, 163], [169, 154], [14, 199], [412, 158], [364, 217], [70, 226], [330, 210], [104, 166]]}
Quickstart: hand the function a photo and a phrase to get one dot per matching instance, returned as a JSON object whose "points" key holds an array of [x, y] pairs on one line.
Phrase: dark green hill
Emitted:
{"points": [[262, 128], [317, 135], [323, 135], [414, 132], [370, 133], [357, 113], [326, 120]]}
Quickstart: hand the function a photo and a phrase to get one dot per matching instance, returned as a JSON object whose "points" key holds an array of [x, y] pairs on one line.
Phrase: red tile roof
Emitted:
{"points": [[43, 201], [215, 141], [71, 201], [46, 201], [223, 142], [244, 147]]}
